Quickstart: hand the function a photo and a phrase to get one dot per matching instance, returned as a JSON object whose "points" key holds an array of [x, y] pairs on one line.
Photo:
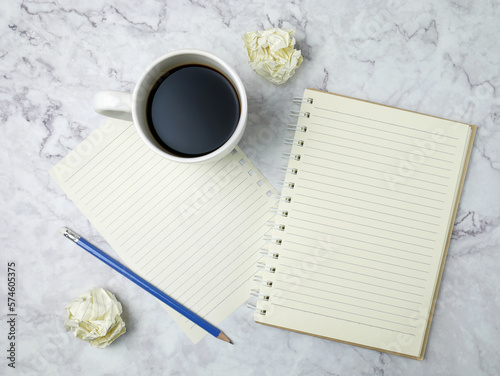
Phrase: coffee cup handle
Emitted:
{"points": [[114, 104]]}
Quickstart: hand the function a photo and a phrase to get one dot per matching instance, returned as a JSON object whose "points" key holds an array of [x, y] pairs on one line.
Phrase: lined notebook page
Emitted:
{"points": [[192, 230], [370, 213]]}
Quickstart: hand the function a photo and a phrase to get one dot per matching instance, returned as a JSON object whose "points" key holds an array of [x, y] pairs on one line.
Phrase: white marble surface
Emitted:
{"points": [[436, 57]]}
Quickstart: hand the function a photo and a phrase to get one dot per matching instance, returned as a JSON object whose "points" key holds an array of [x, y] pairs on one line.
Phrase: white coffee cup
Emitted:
{"points": [[126, 106]]}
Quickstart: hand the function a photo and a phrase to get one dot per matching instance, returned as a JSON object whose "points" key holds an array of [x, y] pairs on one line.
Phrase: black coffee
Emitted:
{"points": [[192, 110]]}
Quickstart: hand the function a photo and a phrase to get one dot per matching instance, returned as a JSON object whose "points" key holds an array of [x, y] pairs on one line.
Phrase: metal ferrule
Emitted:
{"points": [[71, 235]]}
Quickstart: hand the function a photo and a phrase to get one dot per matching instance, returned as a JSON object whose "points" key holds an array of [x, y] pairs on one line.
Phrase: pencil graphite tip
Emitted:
{"points": [[224, 338]]}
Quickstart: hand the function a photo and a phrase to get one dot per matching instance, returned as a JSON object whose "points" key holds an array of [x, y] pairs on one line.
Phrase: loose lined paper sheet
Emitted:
{"points": [[369, 219], [192, 230]]}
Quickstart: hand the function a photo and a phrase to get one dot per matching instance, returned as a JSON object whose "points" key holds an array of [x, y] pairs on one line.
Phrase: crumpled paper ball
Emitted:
{"points": [[95, 317], [272, 55]]}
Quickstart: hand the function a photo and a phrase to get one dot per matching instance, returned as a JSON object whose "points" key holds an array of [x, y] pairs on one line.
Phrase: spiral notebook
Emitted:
{"points": [[364, 223], [189, 229]]}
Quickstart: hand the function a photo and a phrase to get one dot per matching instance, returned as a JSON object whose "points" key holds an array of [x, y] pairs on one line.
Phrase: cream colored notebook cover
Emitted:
{"points": [[364, 224], [189, 229]]}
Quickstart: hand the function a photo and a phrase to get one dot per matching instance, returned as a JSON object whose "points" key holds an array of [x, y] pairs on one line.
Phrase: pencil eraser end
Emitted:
{"points": [[63, 230]]}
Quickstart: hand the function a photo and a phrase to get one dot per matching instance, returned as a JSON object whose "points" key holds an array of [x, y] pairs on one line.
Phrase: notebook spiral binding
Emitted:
{"points": [[293, 127], [286, 184], [261, 265]]}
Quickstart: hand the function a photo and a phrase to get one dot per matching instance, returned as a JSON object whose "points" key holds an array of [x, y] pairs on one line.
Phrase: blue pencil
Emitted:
{"points": [[93, 250]]}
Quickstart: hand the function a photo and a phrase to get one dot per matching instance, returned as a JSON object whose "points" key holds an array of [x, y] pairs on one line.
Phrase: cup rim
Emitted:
{"points": [[240, 128]]}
